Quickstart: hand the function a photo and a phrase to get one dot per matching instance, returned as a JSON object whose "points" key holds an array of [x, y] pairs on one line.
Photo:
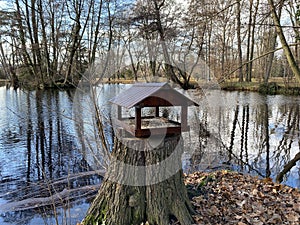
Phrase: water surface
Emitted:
{"points": [[48, 145]]}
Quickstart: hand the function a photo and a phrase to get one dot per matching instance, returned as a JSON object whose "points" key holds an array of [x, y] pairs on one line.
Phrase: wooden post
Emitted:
{"points": [[119, 112], [183, 117], [138, 119], [157, 111]]}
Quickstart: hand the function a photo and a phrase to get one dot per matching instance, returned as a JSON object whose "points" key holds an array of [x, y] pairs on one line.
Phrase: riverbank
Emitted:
{"points": [[128, 81], [3, 82], [275, 86]]}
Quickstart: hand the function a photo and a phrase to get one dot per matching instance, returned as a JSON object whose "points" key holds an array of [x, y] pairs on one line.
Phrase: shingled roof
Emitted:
{"points": [[140, 91]]}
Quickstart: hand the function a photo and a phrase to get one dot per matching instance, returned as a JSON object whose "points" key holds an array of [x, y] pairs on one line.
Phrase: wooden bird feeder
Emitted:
{"points": [[154, 95]]}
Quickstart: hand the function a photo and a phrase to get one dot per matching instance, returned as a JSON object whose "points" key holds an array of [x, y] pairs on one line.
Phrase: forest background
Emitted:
{"points": [[53, 43]]}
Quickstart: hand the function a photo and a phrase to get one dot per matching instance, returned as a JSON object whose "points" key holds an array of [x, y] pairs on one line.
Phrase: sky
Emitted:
{"points": [[2, 4]]}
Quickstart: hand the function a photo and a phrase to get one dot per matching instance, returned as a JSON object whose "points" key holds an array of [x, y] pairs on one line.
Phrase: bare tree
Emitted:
{"points": [[160, 21], [253, 10], [293, 9], [287, 51], [239, 40], [8, 61], [95, 26], [28, 63], [271, 46]]}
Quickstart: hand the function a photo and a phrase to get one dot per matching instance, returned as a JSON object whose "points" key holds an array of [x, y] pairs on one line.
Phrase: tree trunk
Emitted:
{"points": [[142, 184], [252, 42], [272, 45], [287, 51], [248, 72], [239, 37], [168, 65], [22, 37], [270, 58]]}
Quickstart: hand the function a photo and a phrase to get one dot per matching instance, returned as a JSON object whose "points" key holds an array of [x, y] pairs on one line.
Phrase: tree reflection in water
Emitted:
{"points": [[40, 157], [43, 149], [256, 134]]}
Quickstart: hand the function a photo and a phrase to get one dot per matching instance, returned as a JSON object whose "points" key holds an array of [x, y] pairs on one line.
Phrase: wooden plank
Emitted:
{"points": [[138, 118], [184, 114], [157, 131], [119, 112], [146, 132], [157, 111]]}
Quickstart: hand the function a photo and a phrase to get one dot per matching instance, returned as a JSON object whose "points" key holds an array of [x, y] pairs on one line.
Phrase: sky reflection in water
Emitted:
{"points": [[41, 141]]}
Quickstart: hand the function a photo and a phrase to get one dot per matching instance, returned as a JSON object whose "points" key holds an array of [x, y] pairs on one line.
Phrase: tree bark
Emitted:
{"points": [[140, 187]]}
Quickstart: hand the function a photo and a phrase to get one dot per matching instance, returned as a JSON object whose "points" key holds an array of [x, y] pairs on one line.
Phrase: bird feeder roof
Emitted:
{"points": [[140, 94]]}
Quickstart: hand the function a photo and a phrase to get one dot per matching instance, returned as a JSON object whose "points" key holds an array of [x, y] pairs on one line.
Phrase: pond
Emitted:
{"points": [[48, 145]]}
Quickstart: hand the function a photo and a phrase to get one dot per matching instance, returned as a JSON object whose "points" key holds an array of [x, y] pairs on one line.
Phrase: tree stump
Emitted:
{"points": [[143, 183]]}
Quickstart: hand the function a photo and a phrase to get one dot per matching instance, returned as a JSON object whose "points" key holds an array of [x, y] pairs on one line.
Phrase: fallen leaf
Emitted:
{"points": [[275, 219], [259, 201], [241, 223], [292, 217]]}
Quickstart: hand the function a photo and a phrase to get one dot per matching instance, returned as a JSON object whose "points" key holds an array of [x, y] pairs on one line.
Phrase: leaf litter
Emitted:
{"points": [[226, 197]]}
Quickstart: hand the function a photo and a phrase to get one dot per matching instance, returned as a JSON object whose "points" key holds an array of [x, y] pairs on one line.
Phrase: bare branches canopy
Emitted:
{"points": [[49, 43]]}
